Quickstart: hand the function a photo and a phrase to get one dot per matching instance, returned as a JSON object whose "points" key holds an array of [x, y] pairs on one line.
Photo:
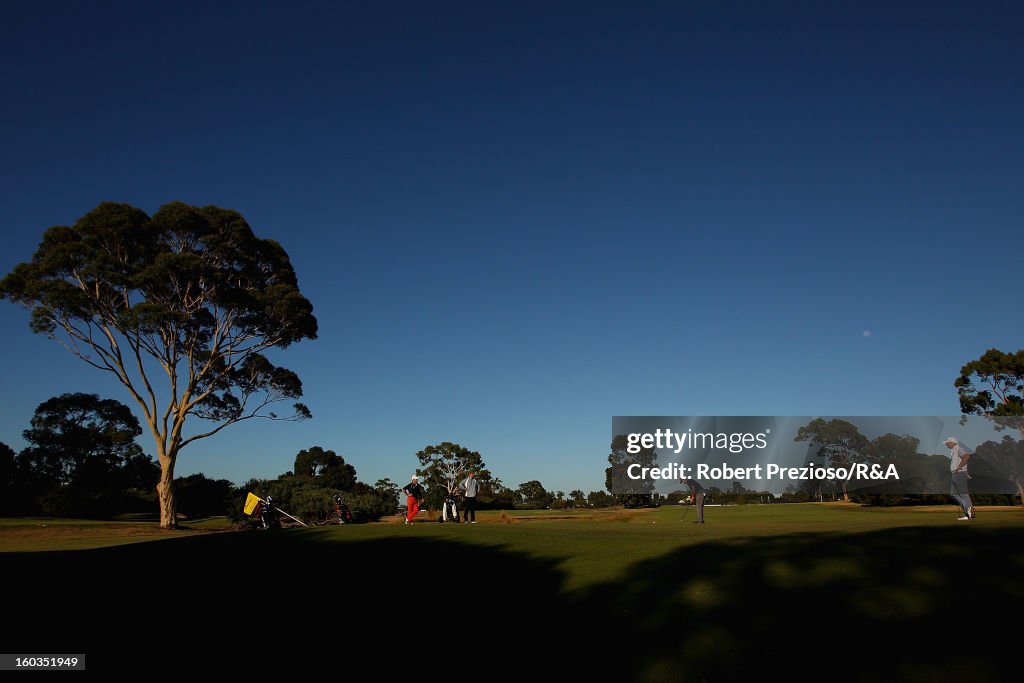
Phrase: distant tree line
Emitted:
{"points": [[445, 465], [532, 495]]}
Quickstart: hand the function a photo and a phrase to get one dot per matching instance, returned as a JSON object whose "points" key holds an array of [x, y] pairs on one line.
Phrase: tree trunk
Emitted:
{"points": [[1020, 491], [846, 494], [165, 490]]}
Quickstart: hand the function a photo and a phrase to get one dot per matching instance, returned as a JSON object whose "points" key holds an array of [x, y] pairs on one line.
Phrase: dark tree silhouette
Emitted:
{"points": [[329, 467]]}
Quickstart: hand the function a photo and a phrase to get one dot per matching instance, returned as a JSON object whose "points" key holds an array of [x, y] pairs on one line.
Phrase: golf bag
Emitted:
{"points": [[268, 514], [449, 512], [342, 511]]}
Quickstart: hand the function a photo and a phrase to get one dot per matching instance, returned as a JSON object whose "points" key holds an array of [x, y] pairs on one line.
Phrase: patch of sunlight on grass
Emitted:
{"points": [[833, 569], [712, 641], [782, 574], [926, 576], [891, 603], [704, 594]]}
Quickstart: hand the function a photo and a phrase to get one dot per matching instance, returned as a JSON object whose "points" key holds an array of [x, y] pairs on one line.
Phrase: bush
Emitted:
{"points": [[371, 505], [306, 499], [200, 496], [311, 504]]}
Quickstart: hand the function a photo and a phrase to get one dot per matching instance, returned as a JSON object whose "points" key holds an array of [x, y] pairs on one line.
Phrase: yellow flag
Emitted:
{"points": [[251, 501]]}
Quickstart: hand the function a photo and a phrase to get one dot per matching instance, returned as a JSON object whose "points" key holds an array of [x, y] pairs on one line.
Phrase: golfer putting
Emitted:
{"points": [[958, 459], [697, 493]]}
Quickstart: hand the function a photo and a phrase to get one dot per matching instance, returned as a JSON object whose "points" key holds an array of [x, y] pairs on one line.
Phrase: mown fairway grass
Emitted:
{"points": [[588, 546], [594, 546], [860, 593], [26, 534]]}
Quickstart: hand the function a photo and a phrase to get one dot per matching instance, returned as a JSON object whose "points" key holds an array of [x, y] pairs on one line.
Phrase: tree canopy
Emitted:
{"points": [[7, 470], [72, 434], [840, 442], [189, 297], [82, 457], [443, 466], [328, 466], [1007, 457], [616, 480], [533, 494], [993, 385]]}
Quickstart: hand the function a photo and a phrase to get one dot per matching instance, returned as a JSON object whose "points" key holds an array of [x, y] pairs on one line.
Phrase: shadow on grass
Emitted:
{"points": [[906, 604], [289, 598], [911, 604]]}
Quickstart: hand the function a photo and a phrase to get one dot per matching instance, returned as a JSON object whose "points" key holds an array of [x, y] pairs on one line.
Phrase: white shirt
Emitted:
{"points": [[956, 456]]}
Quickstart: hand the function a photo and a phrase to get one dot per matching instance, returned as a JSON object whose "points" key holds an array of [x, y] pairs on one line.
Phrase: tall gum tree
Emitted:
{"points": [[840, 443], [180, 307]]}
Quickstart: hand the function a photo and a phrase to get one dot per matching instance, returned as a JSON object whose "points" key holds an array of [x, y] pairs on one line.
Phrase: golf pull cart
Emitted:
{"points": [[268, 514], [342, 513], [263, 514], [450, 512]]}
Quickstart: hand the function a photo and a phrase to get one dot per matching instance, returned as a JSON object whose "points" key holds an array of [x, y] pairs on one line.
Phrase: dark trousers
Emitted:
{"points": [[468, 509]]}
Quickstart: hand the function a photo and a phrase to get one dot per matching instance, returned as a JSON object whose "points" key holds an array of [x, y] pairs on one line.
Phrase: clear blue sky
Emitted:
{"points": [[516, 220]]}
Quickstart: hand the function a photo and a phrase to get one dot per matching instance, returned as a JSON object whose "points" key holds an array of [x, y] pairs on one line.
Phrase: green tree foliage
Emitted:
{"points": [[893, 448], [578, 498], [78, 436], [677, 495], [200, 496], [7, 469], [309, 492], [918, 472], [180, 308], [533, 495], [600, 499], [1007, 457], [637, 492], [329, 467], [309, 500], [303, 497], [6, 465], [82, 458], [795, 494], [494, 495], [840, 443], [993, 386], [444, 466], [368, 503], [387, 488]]}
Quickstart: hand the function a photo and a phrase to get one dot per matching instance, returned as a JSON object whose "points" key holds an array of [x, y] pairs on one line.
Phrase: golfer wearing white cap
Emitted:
{"points": [[959, 457], [414, 494]]}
